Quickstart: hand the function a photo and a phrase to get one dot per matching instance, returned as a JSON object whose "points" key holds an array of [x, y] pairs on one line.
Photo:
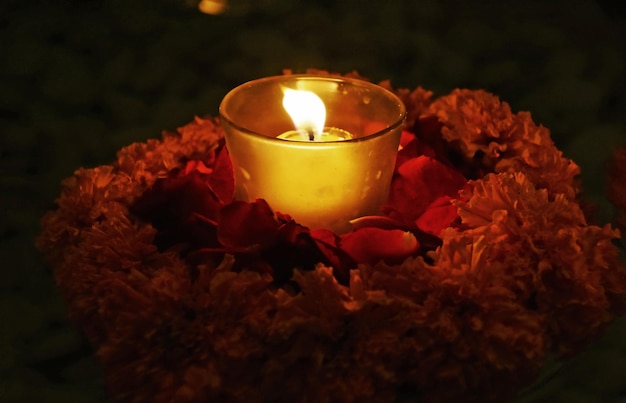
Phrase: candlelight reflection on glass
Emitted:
{"points": [[320, 149]]}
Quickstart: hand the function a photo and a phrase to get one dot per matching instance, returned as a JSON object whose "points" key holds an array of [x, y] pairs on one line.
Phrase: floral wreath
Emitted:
{"points": [[480, 267]]}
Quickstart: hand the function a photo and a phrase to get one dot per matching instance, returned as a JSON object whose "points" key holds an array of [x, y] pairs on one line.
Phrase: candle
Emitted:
{"points": [[322, 162]]}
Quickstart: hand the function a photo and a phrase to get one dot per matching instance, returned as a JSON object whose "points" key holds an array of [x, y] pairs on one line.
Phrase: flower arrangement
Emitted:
{"points": [[481, 266]]}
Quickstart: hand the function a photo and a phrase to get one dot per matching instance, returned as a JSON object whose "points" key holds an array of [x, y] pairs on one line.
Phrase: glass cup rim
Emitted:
{"points": [[288, 77]]}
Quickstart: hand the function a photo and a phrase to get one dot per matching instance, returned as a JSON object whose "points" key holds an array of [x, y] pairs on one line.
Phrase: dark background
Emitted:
{"points": [[80, 79]]}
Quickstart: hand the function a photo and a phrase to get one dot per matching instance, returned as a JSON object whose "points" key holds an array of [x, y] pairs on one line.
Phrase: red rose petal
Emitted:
{"points": [[377, 221], [412, 147], [222, 180], [196, 165], [405, 138], [439, 215], [419, 182], [371, 245], [328, 243], [173, 205], [243, 226]]}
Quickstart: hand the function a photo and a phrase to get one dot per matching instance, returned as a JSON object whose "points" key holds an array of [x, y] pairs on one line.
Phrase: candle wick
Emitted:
{"points": [[311, 135]]}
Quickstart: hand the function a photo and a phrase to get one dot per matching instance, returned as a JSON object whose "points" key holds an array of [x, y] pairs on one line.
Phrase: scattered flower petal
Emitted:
{"points": [[371, 245]]}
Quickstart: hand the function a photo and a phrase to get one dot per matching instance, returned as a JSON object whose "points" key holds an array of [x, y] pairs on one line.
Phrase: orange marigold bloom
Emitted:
{"points": [[493, 139], [572, 272], [477, 120]]}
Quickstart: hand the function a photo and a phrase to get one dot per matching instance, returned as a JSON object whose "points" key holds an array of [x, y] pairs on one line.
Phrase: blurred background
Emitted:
{"points": [[80, 79]]}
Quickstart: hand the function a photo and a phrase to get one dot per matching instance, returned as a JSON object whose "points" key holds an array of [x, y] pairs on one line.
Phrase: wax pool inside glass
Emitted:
{"points": [[320, 184]]}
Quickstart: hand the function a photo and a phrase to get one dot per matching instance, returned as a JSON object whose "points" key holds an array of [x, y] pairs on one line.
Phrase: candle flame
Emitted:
{"points": [[307, 110]]}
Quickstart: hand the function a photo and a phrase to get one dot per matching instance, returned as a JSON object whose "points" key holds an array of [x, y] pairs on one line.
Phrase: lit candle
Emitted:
{"points": [[308, 113], [334, 166]]}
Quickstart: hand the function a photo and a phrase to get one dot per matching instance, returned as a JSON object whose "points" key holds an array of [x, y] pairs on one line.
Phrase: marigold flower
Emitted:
{"points": [[490, 138]]}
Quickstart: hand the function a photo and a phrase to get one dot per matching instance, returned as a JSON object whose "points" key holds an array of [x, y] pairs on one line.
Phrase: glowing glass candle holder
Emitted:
{"points": [[324, 171]]}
